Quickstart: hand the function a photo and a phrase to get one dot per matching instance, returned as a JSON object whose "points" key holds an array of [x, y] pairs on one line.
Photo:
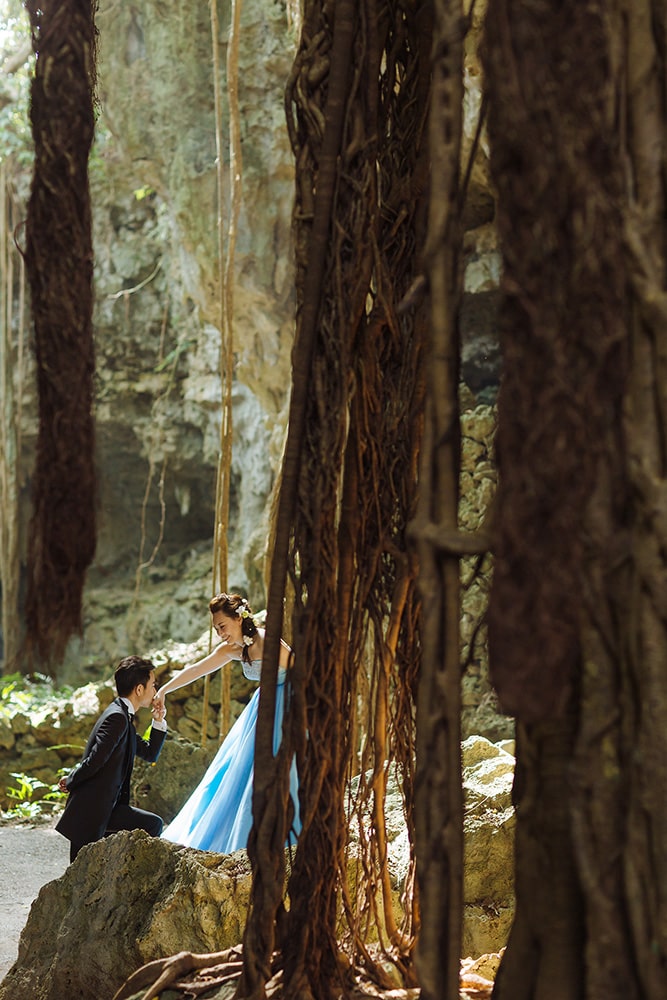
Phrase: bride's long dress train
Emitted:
{"points": [[218, 814]]}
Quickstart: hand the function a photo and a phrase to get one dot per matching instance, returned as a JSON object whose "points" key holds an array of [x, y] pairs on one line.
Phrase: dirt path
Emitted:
{"points": [[30, 856]]}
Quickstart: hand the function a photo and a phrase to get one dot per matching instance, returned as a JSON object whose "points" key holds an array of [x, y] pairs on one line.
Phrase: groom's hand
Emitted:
{"points": [[158, 708]]}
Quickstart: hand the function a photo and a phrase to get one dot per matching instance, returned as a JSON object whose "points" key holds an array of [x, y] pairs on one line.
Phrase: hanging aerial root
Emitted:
{"points": [[59, 268], [562, 325]]}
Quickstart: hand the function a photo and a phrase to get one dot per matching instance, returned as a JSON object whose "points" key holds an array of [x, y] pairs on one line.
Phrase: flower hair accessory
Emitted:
{"points": [[243, 612]]}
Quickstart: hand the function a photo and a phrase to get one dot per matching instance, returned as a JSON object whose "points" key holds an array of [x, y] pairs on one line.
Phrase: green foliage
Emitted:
{"points": [[15, 136], [15, 133], [23, 795], [16, 143], [27, 787], [34, 696], [31, 695]]}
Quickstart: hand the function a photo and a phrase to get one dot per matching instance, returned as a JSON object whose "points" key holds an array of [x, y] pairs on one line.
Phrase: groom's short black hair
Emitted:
{"points": [[130, 672]]}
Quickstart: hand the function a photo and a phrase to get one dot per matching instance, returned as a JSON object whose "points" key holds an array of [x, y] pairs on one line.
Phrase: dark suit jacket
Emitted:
{"points": [[101, 780]]}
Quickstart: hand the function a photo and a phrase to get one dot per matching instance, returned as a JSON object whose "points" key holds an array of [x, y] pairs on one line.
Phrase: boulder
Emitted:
{"points": [[126, 900], [130, 898], [164, 787], [488, 845]]}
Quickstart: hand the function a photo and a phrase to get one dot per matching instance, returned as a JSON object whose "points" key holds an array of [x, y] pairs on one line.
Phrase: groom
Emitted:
{"points": [[99, 785]]}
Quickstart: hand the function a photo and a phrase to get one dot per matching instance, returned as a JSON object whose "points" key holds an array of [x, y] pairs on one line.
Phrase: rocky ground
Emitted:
{"points": [[173, 900], [167, 915], [32, 855]]}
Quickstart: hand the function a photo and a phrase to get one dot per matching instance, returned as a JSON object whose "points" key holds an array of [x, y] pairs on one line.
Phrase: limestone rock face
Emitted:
{"points": [[488, 846], [158, 271], [480, 711], [165, 786], [488, 839], [158, 315], [126, 900]]}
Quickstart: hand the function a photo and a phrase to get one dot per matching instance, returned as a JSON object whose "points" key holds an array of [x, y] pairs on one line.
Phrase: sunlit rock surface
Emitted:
{"points": [[130, 898], [124, 901]]}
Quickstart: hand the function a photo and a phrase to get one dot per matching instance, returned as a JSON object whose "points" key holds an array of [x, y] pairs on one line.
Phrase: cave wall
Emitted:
{"points": [[157, 314]]}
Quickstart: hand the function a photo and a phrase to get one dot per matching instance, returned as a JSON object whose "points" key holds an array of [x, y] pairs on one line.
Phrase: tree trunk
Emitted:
{"points": [[544, 954], [59, 268], [567, 630], [621, 761]]}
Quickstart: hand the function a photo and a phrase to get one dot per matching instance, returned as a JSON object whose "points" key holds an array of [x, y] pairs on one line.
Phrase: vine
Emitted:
{"points": [[11, 379]]}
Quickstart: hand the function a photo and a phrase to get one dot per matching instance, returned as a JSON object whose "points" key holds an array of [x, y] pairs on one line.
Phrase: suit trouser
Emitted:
{"points": [[126, 817]]}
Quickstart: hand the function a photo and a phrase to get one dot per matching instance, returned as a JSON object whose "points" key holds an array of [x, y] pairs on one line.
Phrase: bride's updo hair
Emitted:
{"points": [[235, 606]]}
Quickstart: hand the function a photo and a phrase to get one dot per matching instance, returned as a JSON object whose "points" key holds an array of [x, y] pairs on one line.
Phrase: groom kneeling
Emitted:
{"points": [[99, 785]]}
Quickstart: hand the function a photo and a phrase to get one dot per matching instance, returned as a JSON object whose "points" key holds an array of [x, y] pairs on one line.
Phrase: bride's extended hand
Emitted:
{"points": [[158, 707]]}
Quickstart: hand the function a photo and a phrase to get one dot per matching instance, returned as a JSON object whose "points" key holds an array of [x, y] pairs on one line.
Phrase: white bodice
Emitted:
{"points": [[253, 671]]}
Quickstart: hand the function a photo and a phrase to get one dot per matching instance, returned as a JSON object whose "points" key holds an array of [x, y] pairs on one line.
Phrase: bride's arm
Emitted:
{"points": [[285, 660], [221, 654]]}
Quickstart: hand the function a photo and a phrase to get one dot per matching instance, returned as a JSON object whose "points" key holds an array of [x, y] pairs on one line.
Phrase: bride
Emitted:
{"points": [[218, 814]]}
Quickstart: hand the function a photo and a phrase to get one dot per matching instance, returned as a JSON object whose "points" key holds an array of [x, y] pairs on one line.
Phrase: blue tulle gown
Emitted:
{"points": [[218, 814]]}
